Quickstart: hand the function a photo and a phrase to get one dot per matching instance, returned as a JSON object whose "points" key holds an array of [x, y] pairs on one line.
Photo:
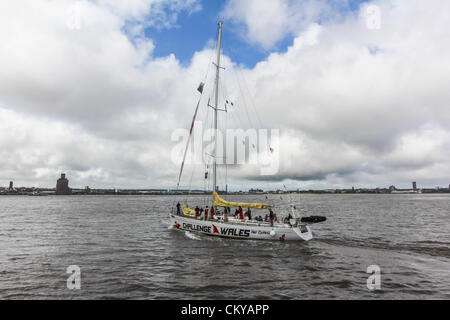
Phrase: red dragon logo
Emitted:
{"points": [[215, 230]]}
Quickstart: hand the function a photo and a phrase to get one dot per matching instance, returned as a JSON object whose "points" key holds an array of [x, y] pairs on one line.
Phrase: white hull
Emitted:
{"points": [[236, 229]]}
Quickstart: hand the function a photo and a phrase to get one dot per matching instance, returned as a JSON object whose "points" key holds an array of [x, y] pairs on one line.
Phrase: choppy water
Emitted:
{"points": [[125, 250]]}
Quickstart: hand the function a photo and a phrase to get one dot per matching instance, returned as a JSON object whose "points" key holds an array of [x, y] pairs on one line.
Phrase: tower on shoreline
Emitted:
{"points": [[62, 185]]}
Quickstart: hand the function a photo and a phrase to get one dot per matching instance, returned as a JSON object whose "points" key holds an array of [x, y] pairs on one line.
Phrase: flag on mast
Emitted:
{"points": [[200, 87]]}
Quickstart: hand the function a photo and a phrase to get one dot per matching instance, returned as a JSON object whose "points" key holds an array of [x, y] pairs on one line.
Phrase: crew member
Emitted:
{"points": [[211, 215], [287, 220], [271, 216], [197, 212], [225, 214], [248, 213], [206, 213], [239, 212], [178, 209]]}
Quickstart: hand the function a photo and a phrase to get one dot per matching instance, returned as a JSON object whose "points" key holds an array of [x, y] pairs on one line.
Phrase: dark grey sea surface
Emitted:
{"points": [[125, 250]]}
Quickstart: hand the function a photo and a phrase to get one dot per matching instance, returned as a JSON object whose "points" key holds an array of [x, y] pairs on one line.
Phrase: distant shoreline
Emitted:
{"points": [[184, 193]]}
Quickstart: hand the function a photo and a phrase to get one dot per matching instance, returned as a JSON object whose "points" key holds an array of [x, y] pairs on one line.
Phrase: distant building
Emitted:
{"points": [[62, 185], [391, 188], [414, 185], [11, 185], [255, 191]]}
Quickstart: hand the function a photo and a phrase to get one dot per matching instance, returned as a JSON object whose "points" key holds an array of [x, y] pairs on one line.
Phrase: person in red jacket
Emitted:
{"points": [[241, 213], [271, 216], [211, 215], [206, 213], [197, 212]]}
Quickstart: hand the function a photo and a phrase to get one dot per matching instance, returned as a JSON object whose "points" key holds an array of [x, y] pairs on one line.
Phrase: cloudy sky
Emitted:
{"points": [[358, 89]]}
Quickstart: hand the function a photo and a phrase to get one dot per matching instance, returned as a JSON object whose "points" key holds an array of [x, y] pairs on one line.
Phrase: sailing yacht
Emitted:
{"points": [[222, 224]]}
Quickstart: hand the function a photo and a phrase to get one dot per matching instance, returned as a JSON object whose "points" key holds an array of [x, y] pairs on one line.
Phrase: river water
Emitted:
{"points": [[125, 250]]}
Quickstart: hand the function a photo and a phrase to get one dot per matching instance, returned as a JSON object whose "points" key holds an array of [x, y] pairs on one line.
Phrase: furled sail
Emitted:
{"points": [[219, 202], [187, 211]]}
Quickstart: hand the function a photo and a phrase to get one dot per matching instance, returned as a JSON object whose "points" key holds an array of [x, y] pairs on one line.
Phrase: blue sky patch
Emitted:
{"points": [[194, 30]]}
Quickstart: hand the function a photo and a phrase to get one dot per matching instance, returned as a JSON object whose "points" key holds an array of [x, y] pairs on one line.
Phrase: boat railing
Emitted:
{"points": [[235, 221]]}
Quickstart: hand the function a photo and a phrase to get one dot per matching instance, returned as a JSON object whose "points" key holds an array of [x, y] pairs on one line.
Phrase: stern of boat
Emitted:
{"points": [[303, 231]]}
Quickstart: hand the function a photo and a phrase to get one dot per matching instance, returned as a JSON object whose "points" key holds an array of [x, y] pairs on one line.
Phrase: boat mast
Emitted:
{"points": [[216, 105]]}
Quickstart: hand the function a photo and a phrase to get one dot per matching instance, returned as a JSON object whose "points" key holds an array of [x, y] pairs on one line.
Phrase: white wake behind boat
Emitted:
{"points": [[223, 224]]}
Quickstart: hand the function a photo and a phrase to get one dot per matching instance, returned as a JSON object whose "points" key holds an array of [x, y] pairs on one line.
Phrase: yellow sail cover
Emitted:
{"points": [[187, 211], [219, 202]]}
